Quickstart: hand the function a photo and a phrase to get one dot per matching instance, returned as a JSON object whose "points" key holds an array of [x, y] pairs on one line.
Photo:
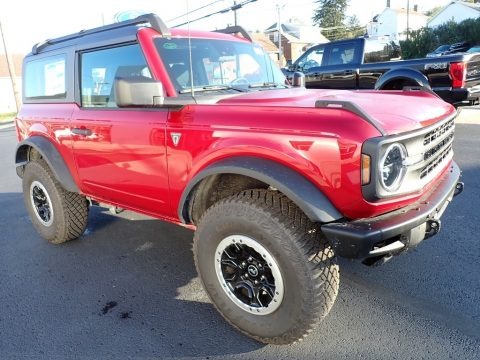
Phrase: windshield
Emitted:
{"points": [[218, 65], [442, 48]]}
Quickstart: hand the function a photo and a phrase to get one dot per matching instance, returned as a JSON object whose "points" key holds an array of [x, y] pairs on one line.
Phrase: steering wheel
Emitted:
{"points": [[239, 81], [309, 64]]}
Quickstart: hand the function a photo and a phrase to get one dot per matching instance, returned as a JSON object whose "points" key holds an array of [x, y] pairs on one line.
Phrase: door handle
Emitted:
{"points": [[82, 131], [348, 72]]}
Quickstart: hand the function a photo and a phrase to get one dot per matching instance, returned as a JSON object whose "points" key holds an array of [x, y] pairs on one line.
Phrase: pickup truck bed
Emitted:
{"points": [[354, 64]]}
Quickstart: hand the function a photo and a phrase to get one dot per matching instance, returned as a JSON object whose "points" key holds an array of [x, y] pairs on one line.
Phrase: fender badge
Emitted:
{"points": [[175, 138]]}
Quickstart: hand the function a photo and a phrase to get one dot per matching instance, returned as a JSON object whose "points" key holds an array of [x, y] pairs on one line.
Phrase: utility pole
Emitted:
{"points": [[11, 71], [279, 30], [235, 13], [408, 19]]}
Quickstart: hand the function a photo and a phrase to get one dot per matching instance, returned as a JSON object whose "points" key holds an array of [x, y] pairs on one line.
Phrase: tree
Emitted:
{"points": [[330, 16], [353, 27], [330, 13], [426, 39]]}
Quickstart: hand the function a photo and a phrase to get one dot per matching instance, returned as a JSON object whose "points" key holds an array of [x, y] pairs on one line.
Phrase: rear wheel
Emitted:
{"points": [[400, 84], [268, 270], [58, 215]]}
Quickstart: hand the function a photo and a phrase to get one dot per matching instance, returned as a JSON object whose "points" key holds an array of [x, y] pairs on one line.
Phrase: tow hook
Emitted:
{"points": [[433, 227], [458, 188]]}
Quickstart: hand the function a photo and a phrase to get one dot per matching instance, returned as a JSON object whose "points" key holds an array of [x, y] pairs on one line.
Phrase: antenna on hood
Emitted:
{"points": [[192, 89]]}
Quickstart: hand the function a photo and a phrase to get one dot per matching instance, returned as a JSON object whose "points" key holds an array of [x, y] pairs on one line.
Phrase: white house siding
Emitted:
{"points": [[7, 100], [392, 23], [388, 24], [454, 11]]}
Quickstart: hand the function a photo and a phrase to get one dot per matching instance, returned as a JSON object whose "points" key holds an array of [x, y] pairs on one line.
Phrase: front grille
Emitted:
{"points": [[441, 145], [437, 161], [437, 132], [437, 148]]}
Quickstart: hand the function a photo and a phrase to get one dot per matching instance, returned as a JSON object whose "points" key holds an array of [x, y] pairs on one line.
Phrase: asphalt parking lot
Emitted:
{"points": [[128, 289]]}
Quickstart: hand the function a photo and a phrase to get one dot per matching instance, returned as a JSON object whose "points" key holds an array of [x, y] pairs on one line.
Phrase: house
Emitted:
{"points": [[268, 46], [392, 23], [294, 38], [456, 11], [7, 99]]}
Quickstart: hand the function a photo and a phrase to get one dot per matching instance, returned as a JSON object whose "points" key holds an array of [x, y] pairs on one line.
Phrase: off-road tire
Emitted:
{"points": [[70, 210], [306, 262]]}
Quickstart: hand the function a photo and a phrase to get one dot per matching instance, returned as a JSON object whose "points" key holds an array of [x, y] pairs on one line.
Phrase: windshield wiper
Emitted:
{"points": [[265, 85], [212, 88]]}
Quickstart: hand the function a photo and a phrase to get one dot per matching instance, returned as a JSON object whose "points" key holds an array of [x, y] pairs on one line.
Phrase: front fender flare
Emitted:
{"points": [[51, 155], [316, 206]]}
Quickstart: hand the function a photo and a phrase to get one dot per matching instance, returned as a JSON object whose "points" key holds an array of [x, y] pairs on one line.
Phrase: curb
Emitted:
{"points": [[469, 116], [7, 124]]}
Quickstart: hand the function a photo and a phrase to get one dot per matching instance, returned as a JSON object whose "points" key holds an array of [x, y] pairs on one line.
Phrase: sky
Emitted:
{"points": [[26, 22]]}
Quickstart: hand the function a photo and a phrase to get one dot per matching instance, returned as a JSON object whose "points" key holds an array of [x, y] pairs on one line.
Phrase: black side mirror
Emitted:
{"points": [[298, 79], [138, 91]]}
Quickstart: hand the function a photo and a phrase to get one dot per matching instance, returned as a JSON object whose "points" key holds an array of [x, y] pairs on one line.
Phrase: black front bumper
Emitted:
{"points": [[398, 230]]}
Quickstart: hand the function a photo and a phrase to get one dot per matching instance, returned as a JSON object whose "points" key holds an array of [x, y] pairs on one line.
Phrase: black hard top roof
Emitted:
{"points": [[121, 30]]}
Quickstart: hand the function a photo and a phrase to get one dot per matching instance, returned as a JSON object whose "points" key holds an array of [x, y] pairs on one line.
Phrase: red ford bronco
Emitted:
{"points": [[199, 129]]}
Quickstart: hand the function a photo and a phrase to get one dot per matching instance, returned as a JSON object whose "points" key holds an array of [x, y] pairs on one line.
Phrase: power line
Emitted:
{"points": [[195, 10], [223, 11]]}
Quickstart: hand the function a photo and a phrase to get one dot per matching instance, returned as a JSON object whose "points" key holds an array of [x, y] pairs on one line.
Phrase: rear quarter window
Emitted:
{"points": [[380, 51], [44, 78]]}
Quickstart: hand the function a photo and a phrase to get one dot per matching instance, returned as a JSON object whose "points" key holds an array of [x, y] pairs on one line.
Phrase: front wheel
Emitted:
{"points": [[267, 269], [57, 214]]}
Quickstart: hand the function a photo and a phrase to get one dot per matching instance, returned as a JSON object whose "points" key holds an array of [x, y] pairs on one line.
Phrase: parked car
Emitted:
{"points": [[442, 49], [474, 49], [199, 129], [459, 47], [449, 49], [361, 64]]}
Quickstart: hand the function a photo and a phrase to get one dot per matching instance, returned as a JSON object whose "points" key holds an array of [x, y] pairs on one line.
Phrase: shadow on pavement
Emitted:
{"points": [[128, 285]]}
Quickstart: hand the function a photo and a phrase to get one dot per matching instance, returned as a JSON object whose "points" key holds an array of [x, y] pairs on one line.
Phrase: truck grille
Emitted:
{"points": [[437, 132], [432, 165], [437, 147]]}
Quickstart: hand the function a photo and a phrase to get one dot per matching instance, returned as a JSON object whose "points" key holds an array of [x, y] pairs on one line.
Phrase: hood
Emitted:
{"points": [[392, 111]]}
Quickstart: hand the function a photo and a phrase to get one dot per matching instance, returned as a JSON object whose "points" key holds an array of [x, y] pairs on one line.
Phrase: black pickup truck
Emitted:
{"points": [[369, 64]]}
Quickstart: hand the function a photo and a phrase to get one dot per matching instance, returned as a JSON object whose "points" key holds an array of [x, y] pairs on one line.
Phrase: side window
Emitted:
{"points": [[100, 68], [380, 51], [312, 57], [45, 78], [342, 54]]}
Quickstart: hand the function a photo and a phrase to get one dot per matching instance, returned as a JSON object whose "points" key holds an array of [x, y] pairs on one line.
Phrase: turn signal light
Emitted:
{"points": [[366, 169]]}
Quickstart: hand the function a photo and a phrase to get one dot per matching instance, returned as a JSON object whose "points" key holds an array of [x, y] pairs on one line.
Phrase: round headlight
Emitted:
{"points": [[392, 169]]}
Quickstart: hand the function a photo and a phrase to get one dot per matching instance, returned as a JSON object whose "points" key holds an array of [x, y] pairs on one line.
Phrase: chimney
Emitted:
{"points": [[415, 8], [388, 3]]}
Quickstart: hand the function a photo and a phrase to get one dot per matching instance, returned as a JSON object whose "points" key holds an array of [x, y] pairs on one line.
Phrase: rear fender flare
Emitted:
{"points": [[403, 74], [51, 155]]}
